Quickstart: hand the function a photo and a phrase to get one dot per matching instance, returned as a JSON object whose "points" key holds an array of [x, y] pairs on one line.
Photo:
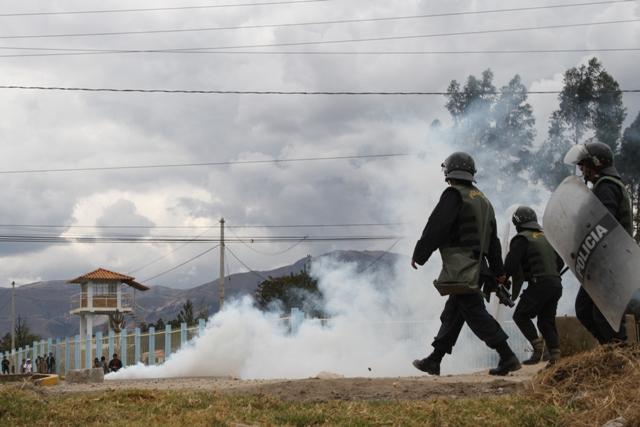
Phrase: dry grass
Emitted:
{"points": [[594, 387], [28, 406]]}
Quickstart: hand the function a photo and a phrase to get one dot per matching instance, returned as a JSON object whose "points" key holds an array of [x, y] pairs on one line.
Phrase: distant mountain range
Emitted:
{"points": [[45, 305]]}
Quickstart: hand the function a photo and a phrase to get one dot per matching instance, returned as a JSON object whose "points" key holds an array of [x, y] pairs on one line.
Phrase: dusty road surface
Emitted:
{"points": [[327, 386]]}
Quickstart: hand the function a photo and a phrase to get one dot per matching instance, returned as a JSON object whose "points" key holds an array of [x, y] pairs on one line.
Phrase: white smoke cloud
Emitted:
{"points": [[378, 321]]}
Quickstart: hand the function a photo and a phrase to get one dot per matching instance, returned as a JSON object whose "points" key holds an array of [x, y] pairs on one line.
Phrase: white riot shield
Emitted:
{"points": [[601, 254]]}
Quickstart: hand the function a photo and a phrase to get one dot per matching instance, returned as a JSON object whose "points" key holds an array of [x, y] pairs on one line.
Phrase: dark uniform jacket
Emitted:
{"points": [[443, 226]]}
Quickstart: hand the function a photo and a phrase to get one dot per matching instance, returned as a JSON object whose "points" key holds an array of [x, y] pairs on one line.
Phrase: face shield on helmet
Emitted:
{"points": [[577, 154]]}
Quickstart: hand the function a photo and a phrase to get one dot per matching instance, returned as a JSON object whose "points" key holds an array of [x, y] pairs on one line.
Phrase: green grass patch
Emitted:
{"points": [[29, 406]]}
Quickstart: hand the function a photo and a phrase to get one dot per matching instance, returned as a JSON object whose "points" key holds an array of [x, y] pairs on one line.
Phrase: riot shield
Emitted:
{"points": [[599, 252]]}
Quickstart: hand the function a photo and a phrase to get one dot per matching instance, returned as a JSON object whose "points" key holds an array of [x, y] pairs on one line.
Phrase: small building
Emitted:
{"points": [[102, 293]]}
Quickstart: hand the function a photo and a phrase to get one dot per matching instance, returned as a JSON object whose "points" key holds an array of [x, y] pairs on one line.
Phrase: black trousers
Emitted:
{"points": [[539, 300], [468, 308], [592, 319]]}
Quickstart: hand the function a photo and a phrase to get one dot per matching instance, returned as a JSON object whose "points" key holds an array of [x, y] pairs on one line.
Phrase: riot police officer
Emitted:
{"points": [[462, 227], [533, 259], [595, 160]]}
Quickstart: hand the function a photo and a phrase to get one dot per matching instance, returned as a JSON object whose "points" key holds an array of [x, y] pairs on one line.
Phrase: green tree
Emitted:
{"points": [[23, 336], [496, 128], [186, 314], [590, 105], [296, 290], [549, 167], [511, 137], [470, 108], [160, 325], [628, 163]]}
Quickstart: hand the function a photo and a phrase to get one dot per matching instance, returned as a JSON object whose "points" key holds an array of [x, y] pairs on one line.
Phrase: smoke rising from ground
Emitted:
{"points": [[379, 321]]}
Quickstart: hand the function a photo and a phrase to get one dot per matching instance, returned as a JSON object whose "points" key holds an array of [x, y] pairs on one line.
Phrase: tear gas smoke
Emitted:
{"points": [[378, 320]]}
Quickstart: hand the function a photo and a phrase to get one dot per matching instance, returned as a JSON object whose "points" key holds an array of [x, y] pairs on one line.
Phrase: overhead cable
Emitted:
{"points": [[160, 258], [93, 51], [251, 92], [257, 239], [123, 226], [224, 163], [250, 270], [307, 23], [160, 9], [181, 264]]}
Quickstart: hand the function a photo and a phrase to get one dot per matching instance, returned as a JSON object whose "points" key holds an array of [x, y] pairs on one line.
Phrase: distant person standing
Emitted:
{"points": [[5, 365], [51, 364], [27, 368], [104, 365], [115, 364]]}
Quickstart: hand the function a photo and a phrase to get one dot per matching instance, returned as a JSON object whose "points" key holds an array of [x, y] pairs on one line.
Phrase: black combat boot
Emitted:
{"points": [[505, 366], [508, 361], [554, 356], [538, 346], [430, 364]]}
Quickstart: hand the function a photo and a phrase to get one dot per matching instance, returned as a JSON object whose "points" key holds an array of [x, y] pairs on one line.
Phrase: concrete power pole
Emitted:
{"points": [[221, 280], [13, 315]]}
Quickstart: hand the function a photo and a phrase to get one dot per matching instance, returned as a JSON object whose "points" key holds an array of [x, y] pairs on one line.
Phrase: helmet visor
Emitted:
{"points": [[576, 154]]}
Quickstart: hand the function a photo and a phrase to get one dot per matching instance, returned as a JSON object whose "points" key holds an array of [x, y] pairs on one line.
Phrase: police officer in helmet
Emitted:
{"points": [[595, 160], [462, 227], [533, 258]]}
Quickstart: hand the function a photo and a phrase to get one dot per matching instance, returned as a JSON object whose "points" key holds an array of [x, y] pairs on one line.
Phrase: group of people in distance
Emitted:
{"points": [[462, 227]]}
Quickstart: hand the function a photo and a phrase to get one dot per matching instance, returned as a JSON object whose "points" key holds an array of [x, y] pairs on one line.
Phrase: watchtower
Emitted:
{"points": [[102, 292]]}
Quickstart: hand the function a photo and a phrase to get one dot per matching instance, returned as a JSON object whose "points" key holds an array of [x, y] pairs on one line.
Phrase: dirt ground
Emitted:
{"points": [[327, 386]]}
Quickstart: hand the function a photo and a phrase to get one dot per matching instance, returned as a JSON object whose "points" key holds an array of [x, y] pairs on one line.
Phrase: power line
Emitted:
{"points": [[159, 9], [375, 52], [146, 240], [270, 253], [181, 264], [91, 51], [298, 24], [381, 255], [251, 92], [373, 224], [256, 273], [158, 259], [224, 163]]}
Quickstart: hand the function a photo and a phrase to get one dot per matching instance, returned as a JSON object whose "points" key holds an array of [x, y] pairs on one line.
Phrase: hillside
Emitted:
{"points": [[45, 305]]}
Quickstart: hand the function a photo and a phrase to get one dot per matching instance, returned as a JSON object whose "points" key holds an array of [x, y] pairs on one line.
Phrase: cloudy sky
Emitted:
{"points": [[70, 129]]}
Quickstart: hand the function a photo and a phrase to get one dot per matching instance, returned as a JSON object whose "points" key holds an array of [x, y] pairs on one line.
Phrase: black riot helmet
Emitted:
{"points": [[459, 165], [525, 217], [597, 155]]}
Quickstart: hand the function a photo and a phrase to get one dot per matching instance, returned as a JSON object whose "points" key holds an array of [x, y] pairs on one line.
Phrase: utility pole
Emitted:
{"points": [[13, 315], [221, 280]]}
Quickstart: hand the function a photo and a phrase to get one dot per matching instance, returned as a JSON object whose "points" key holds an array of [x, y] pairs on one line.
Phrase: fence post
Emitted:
{"points": [[167, 341], [49, 346], [112, 348], [58, 356], [123, 347], [43, 349], [152, 346], [98, 345], [136, 345], [297, 317], [183, 334], [88, 361], [67, 355], [19, 367], [201, 324], [76, 353], [34, 355]]}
